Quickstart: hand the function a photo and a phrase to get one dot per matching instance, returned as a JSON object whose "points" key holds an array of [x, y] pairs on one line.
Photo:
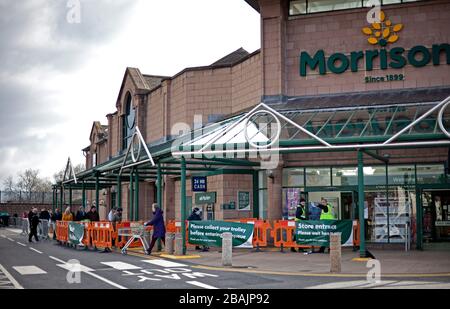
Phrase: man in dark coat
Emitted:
{"points": [[195, 216], [34, 222], [159, 230], [92, 215]]}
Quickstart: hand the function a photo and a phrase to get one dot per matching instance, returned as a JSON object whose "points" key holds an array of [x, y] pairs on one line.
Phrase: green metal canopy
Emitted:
{"points": [[266, 129]]}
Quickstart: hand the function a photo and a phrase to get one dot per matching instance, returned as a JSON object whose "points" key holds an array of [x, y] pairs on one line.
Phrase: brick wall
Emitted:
{"points": [[246, 83], [19, 209], [226, 187]]}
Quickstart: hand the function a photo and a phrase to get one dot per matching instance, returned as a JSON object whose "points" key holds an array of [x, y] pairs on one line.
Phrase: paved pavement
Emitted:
{"points": [[49, 265], [392, 262]]}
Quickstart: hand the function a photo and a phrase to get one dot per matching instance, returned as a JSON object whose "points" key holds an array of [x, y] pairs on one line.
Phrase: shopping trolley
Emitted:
{"points": [[137, 232]]}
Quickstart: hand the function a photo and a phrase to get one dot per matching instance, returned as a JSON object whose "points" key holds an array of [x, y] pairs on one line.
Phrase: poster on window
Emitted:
{"points": [[291, 200]]}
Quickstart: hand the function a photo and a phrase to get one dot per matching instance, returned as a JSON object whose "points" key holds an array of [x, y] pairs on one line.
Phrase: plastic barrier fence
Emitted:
{"points": [[62, 231], [105, 235], [102, 234], [283, 235]]}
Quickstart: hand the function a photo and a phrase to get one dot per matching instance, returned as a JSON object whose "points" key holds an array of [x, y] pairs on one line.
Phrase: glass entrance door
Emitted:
{"points": [[436, 215]]}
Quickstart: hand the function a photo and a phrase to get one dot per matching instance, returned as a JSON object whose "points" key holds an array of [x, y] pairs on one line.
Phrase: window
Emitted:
{"points": [[375, 175], [293, 177], [128, 122], [299, 7], [433, 173], [345, 176], [401, 175], [316, 177], [94, 159]]}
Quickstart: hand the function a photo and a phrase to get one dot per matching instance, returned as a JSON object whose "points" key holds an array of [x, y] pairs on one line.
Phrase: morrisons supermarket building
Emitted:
{"points": [[330, 106]]}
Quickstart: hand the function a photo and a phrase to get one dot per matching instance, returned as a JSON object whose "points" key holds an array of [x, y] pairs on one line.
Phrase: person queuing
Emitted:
{"points": [[111, 214], [67, 216], [81, 214], [159, 230], [44, 219], [117, 218], [25, 224], [34, 222], [195, 216], [93, 215], [56, 216]]}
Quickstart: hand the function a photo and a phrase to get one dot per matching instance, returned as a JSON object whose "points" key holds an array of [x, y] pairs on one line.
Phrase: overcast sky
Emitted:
{"points": [[57, 77]]}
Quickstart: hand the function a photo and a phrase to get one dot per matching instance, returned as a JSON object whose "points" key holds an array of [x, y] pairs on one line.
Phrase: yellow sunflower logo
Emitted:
{"points": [[383, 32]]}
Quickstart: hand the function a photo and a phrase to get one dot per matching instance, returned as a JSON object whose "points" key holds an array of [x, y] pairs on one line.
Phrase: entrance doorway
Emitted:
{"points": [[343, 202], [436, 215]]}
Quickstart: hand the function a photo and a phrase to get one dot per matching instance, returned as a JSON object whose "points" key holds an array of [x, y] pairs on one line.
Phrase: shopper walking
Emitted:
{"points": [[159, 229], [34, 222]]}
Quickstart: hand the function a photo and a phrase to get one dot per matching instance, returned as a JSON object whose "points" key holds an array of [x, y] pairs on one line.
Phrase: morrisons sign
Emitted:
{"points": [[395, 58]]}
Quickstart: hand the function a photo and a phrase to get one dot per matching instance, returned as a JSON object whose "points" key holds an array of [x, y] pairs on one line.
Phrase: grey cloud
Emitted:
{"points": [[36, 37]]}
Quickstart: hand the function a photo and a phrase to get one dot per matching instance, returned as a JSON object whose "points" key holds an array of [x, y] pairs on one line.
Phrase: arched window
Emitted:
{"points": [[128, 122]]}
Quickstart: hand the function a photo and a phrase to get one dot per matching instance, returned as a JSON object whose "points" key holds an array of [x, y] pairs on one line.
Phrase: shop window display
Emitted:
{"points": [[391, 217]]}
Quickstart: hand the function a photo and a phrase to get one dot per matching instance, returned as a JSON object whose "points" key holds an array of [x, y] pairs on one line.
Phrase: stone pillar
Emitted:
{"points": [[227, 249], [169, 197], [273, 48], [178, 244], [335, 252], [275, 193], [170, 238]]}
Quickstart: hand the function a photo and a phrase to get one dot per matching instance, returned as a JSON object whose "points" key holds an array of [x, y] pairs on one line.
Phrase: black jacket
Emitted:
{"points": [[194, 217], [34, 221], [45, 215], [92, 216], [56, 217], [299, 213], [80, 216]]}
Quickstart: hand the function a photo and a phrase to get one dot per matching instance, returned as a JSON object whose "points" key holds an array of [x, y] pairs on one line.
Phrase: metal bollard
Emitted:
{"points": [[170, 238], [335, 252], [227, 249], [178, 244]]}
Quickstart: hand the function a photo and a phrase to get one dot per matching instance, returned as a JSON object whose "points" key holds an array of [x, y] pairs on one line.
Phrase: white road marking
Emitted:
{"points": [[106, 280], [29, 270], [57, 260], [164, 263], [10, 239], [11, 278], [121, 265], [92, 274], [3, 236], [17, 231], [202, 285], [36, 250], [80, 268], [23, 245]]}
